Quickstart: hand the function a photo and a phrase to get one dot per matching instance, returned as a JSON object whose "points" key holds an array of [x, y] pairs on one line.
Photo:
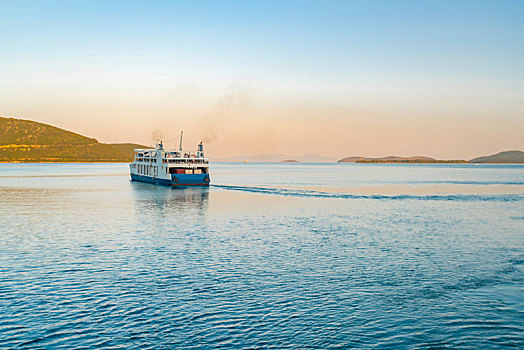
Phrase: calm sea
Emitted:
{"points": [[270, 256]]}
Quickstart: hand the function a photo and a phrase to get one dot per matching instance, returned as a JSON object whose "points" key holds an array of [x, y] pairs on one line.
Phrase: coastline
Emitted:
{"points": [[276, 162]]}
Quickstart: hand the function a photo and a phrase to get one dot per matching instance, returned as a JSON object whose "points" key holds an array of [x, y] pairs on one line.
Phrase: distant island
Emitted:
{"points": [[502, 157], [290, 161], [29, 141]]}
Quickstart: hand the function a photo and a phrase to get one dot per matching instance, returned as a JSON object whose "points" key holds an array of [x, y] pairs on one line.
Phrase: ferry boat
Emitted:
{"points": [[170, 167]]}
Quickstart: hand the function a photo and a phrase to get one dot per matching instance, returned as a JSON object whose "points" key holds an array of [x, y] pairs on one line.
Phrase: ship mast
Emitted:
{"points": [[180, 148]]}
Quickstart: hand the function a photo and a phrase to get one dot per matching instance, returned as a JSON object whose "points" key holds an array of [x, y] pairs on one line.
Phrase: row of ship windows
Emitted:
{"points": [[190, 161], [167, 155], [176, 161], [146, 170]]}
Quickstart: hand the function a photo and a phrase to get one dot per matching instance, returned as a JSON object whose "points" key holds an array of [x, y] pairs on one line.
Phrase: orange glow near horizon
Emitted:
{"points": [[238, 123]]}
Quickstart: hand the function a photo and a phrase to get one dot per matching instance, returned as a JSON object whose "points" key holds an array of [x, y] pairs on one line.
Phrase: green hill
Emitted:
{"points": [[29, 141], [502, 157]]}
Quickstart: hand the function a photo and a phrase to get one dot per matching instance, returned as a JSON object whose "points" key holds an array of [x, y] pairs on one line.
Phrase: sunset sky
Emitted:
{"points": [[339, 78]]}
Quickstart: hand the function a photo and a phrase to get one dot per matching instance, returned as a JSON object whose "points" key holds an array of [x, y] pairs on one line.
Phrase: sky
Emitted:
{"points": [[339, 78]]}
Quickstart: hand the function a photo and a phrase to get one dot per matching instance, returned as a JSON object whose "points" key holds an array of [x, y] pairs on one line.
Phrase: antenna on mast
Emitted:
{"points": [[181, 133]]}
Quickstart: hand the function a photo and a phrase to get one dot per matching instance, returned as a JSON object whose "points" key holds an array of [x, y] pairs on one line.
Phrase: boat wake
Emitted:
{"points": [[320, 194], [469, 182]]}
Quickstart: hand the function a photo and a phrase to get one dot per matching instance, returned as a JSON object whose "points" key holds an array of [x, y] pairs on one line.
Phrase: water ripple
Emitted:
{"points": [[97, 262]]}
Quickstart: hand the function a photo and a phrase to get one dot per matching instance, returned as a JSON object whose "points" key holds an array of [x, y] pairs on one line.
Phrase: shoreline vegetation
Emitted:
{"points": [[26, 141]]}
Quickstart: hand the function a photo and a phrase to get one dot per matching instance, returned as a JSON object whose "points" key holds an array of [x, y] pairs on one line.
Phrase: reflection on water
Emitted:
{"points": [[168, 199]]}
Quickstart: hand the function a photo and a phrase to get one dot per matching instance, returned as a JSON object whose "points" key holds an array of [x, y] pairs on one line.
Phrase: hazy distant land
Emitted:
{"points": [[395, 159], [282, 158], [502, 157], [29, 141]]}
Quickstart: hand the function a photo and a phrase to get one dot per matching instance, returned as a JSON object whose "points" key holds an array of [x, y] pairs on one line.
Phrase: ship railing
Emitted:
{"points": [[185, 161]]}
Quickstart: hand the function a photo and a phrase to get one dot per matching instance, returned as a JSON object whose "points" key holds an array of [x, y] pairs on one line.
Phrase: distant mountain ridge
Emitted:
{"points": [[306, 158], [28, 141]]}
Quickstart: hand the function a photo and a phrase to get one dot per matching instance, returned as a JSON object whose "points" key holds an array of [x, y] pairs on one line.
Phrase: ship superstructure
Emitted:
{"points": [[170, 167]]}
